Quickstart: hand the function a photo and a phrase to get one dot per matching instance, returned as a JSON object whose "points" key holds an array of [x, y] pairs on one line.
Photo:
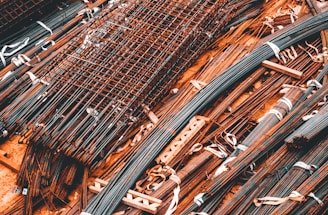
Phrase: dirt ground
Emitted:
{"points": [[8, 177]]}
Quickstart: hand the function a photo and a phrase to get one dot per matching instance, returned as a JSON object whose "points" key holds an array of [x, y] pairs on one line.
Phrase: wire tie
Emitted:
{"points": [[312, 195], [287, 102], [276, 113], [309, 116], [305, 166], [199, 199], [274, 48], [242, 147], [44, 26], [313, 83]]}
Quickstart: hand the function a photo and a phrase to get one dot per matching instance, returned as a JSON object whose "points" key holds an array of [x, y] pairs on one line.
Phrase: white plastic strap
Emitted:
{"points": [[20, 60], [32, 77], [195, 148], [242, 147], [35, 80], [231, 138], [198, 84], [309, 116], [312, 195], [44, 26], [199, 199], [215, 152], [287, 102], [175, 200], [305, 166], [43, 46], [276, 113], [325, 99], [18, 46], [86, 11], [274, 48], [296, 196], [313, 83], [223, 167], [292, 17], [268, 200]]}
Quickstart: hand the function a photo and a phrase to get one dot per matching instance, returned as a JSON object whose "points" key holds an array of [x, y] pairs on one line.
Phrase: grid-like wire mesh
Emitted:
{"points": [[125, 58], [15, 11]]}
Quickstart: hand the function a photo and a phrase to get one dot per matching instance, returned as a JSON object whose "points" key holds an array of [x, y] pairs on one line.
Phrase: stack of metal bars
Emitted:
{"points": [[120, 62], [15, 11]]}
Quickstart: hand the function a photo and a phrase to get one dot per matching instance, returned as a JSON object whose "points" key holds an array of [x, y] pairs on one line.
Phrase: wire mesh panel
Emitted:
{"points": [[14, 12], [126, 58]]}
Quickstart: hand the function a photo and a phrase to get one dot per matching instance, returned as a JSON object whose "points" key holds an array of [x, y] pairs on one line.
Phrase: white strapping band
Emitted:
{"points": [[274, 48], [308, 167], [276, 113], [287, 102], [199, 199], [242, 147], [316, 198], [44, 26]]}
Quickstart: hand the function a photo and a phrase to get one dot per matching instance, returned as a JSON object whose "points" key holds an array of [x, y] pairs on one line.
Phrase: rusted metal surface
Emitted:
{"points": [[93, 91], [15, 12]]}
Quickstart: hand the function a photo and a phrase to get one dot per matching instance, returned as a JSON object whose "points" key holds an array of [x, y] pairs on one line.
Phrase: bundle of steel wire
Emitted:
{"points": [[91, 94], [272, 139], [100, 107], [17, 12], [36, 33], [294, 177], [275, 167], [274, 173], [311, 189], [318, 124], [158, 138]]}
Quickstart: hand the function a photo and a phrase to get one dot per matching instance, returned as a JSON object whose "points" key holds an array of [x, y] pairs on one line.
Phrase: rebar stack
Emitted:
{"points": [[16, 11], [156, 139], [86, 100], [101, 80], [312, 128], [37, 33]]}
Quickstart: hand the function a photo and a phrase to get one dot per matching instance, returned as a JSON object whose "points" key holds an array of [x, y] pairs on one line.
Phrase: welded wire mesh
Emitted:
{"points": [[124, 59], [16, 11]]}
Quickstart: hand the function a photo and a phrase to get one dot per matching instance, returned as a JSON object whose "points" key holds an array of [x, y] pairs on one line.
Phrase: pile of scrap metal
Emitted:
{"points": [[278, 163], [82, 91], [15, 14]]}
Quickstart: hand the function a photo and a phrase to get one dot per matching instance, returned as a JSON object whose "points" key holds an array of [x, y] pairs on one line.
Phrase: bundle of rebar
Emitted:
{"points": [[99, 87], [310, 190], [17, 11], [274, 169], [297, 174], [86, 100], [311, 129], [283, 106], [157, 139], [47, 177], [36, 33], [279, 172]]}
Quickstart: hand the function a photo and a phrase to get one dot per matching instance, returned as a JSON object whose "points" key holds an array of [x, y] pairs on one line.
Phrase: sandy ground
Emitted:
{"points": [[8, 177]]}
